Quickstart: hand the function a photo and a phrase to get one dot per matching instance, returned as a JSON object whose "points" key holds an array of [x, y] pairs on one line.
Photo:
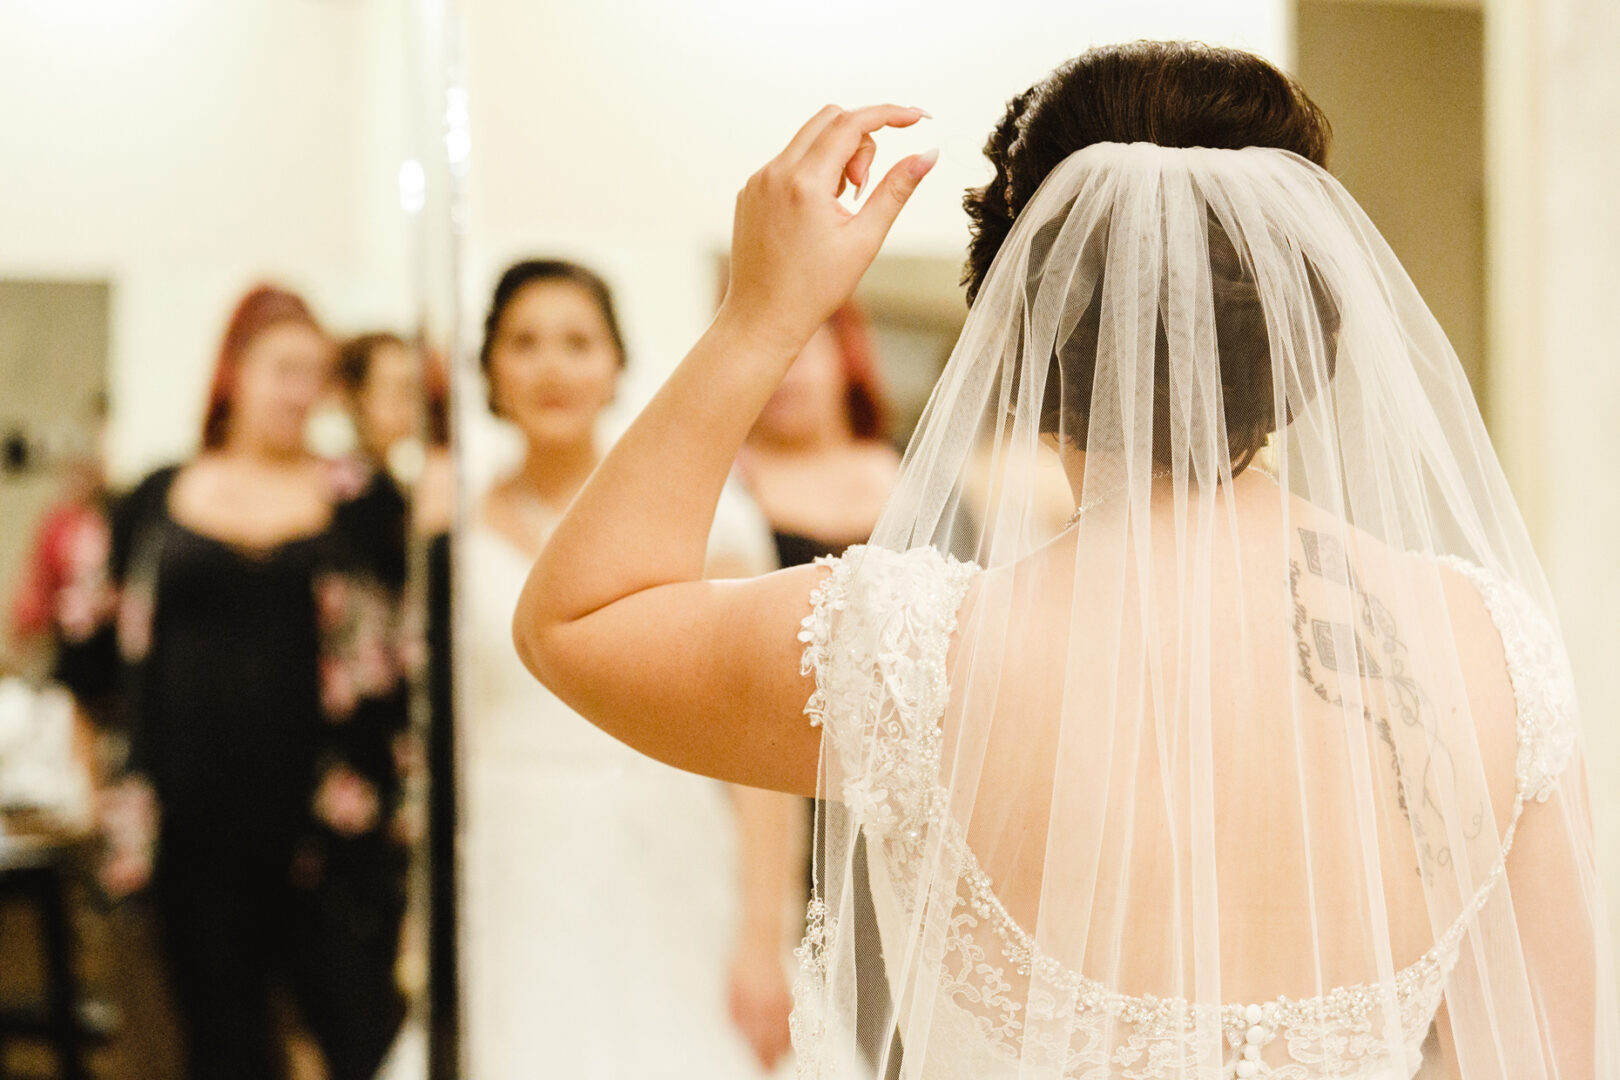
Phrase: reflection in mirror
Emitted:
{"points": [[224, 431], [595, 879], [600, 885]]}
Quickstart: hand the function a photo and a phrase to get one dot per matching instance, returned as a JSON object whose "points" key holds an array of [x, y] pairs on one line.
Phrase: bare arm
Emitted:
{"points": [[772, 857], [615, 617], [1552, 879], [771, 850]]}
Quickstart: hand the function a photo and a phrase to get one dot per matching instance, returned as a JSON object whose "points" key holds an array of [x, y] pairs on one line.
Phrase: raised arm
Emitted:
{"points": [[615, 616]]}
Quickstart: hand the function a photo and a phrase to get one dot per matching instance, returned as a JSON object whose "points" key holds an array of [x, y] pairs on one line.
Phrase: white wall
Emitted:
{"points": [[619, 132], [1556, 327], [186, 149]]}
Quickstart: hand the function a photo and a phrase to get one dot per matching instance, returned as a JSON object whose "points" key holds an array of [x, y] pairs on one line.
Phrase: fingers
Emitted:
{"points": [[859, 169], [838, 138], [889, 197], [806, 136]]}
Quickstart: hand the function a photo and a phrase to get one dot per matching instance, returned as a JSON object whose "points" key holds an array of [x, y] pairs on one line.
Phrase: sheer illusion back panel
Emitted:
{"points": [[991, 969], [1118, 730], [1225, 779], [1125, 739]]}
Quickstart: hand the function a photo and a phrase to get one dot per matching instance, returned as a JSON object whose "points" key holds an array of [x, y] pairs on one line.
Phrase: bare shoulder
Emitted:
{"points": [[506, 513], [495, 509], [1429, 629], [877, 460], [1484, 717], [202, 478]]}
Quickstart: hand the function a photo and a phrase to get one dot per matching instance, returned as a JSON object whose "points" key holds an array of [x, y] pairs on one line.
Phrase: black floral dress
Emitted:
{"points": [[266, 699]]}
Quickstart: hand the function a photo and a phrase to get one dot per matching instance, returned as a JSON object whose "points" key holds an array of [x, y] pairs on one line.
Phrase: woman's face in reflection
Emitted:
{"points": [[284, 371], [553, 365], [386, 406], [810, 402]]}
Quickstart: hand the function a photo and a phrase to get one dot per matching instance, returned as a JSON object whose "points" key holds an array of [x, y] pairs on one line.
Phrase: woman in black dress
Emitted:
{"points": [[818, 461], [819, 464], [264, 690], [396, 396]]}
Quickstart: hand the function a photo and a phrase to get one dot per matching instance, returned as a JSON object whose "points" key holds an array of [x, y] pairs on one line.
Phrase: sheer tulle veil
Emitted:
{"points": [[1268, 764]]}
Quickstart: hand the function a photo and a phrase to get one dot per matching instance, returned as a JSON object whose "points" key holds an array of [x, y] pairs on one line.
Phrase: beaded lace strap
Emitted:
{"points": [[877, 635], [1543, 687], [876, 640]]}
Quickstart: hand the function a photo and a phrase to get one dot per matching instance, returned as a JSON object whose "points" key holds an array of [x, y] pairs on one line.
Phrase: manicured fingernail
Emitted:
{"points": [[925, 161], [860, 187], [920, 111]]}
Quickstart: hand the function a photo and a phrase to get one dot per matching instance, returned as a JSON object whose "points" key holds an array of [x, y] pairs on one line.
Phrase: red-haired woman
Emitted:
{"points": [[819, 464], [264, 690], [818, 461]]}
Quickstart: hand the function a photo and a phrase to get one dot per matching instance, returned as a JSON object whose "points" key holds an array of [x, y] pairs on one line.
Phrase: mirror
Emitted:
{"points": [[608, 143], [225, 314]]}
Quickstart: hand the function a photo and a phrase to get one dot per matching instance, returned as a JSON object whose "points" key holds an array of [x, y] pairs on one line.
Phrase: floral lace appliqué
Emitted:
{"points": [[1543, 685], [881, 690], [876, 641]]}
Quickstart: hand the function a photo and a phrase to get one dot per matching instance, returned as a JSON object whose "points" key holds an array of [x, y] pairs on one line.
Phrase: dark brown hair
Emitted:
{"points": [[535, 271], [354, 368], [1172, 93], [355, 356], [1178, 94]]}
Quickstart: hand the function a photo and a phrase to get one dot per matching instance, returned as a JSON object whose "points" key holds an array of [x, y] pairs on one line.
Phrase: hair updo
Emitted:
{"points": [[1176, 94], [521, 275]]}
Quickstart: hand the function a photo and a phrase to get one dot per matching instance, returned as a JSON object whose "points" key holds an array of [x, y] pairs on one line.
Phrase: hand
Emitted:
{"points": [[797, 253], [347, 801], [125, 873], [128, 816], [760, 1003]]}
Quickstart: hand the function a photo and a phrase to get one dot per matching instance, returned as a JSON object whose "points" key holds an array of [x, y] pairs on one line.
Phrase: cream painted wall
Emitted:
{"points": [[1402, 85], [619, 132], [184, 149], [1555, 305]]}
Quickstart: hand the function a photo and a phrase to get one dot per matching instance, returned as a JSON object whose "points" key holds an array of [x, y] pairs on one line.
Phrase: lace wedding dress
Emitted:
{"points": [[1268, 763], [877, 642], [600, 887]]}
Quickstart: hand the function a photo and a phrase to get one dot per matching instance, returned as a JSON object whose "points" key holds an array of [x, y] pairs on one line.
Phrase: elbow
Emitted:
{"points": [[535, 634]]}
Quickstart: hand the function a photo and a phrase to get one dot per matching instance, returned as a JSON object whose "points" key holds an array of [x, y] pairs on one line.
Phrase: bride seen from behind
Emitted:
{"points": [[599, 884], [1249, 772]]}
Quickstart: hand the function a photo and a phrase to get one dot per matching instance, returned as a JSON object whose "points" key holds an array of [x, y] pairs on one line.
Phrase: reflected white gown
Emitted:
{"points": [[601, 887]]}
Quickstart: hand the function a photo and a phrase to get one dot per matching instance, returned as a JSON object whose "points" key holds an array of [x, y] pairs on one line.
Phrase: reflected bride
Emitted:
{"points": [[1267, 765], [599, 884]]}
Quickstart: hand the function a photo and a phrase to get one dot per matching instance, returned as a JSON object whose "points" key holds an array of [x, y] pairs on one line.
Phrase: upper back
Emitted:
{"points": [[1275, 777]]}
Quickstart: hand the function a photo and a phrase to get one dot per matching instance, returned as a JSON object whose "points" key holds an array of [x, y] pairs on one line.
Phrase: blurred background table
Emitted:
{"points": [[46, 1017]]}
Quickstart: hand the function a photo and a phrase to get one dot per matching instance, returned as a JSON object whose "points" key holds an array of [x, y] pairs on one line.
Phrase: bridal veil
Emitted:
{"points": [[1269, 763]]}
